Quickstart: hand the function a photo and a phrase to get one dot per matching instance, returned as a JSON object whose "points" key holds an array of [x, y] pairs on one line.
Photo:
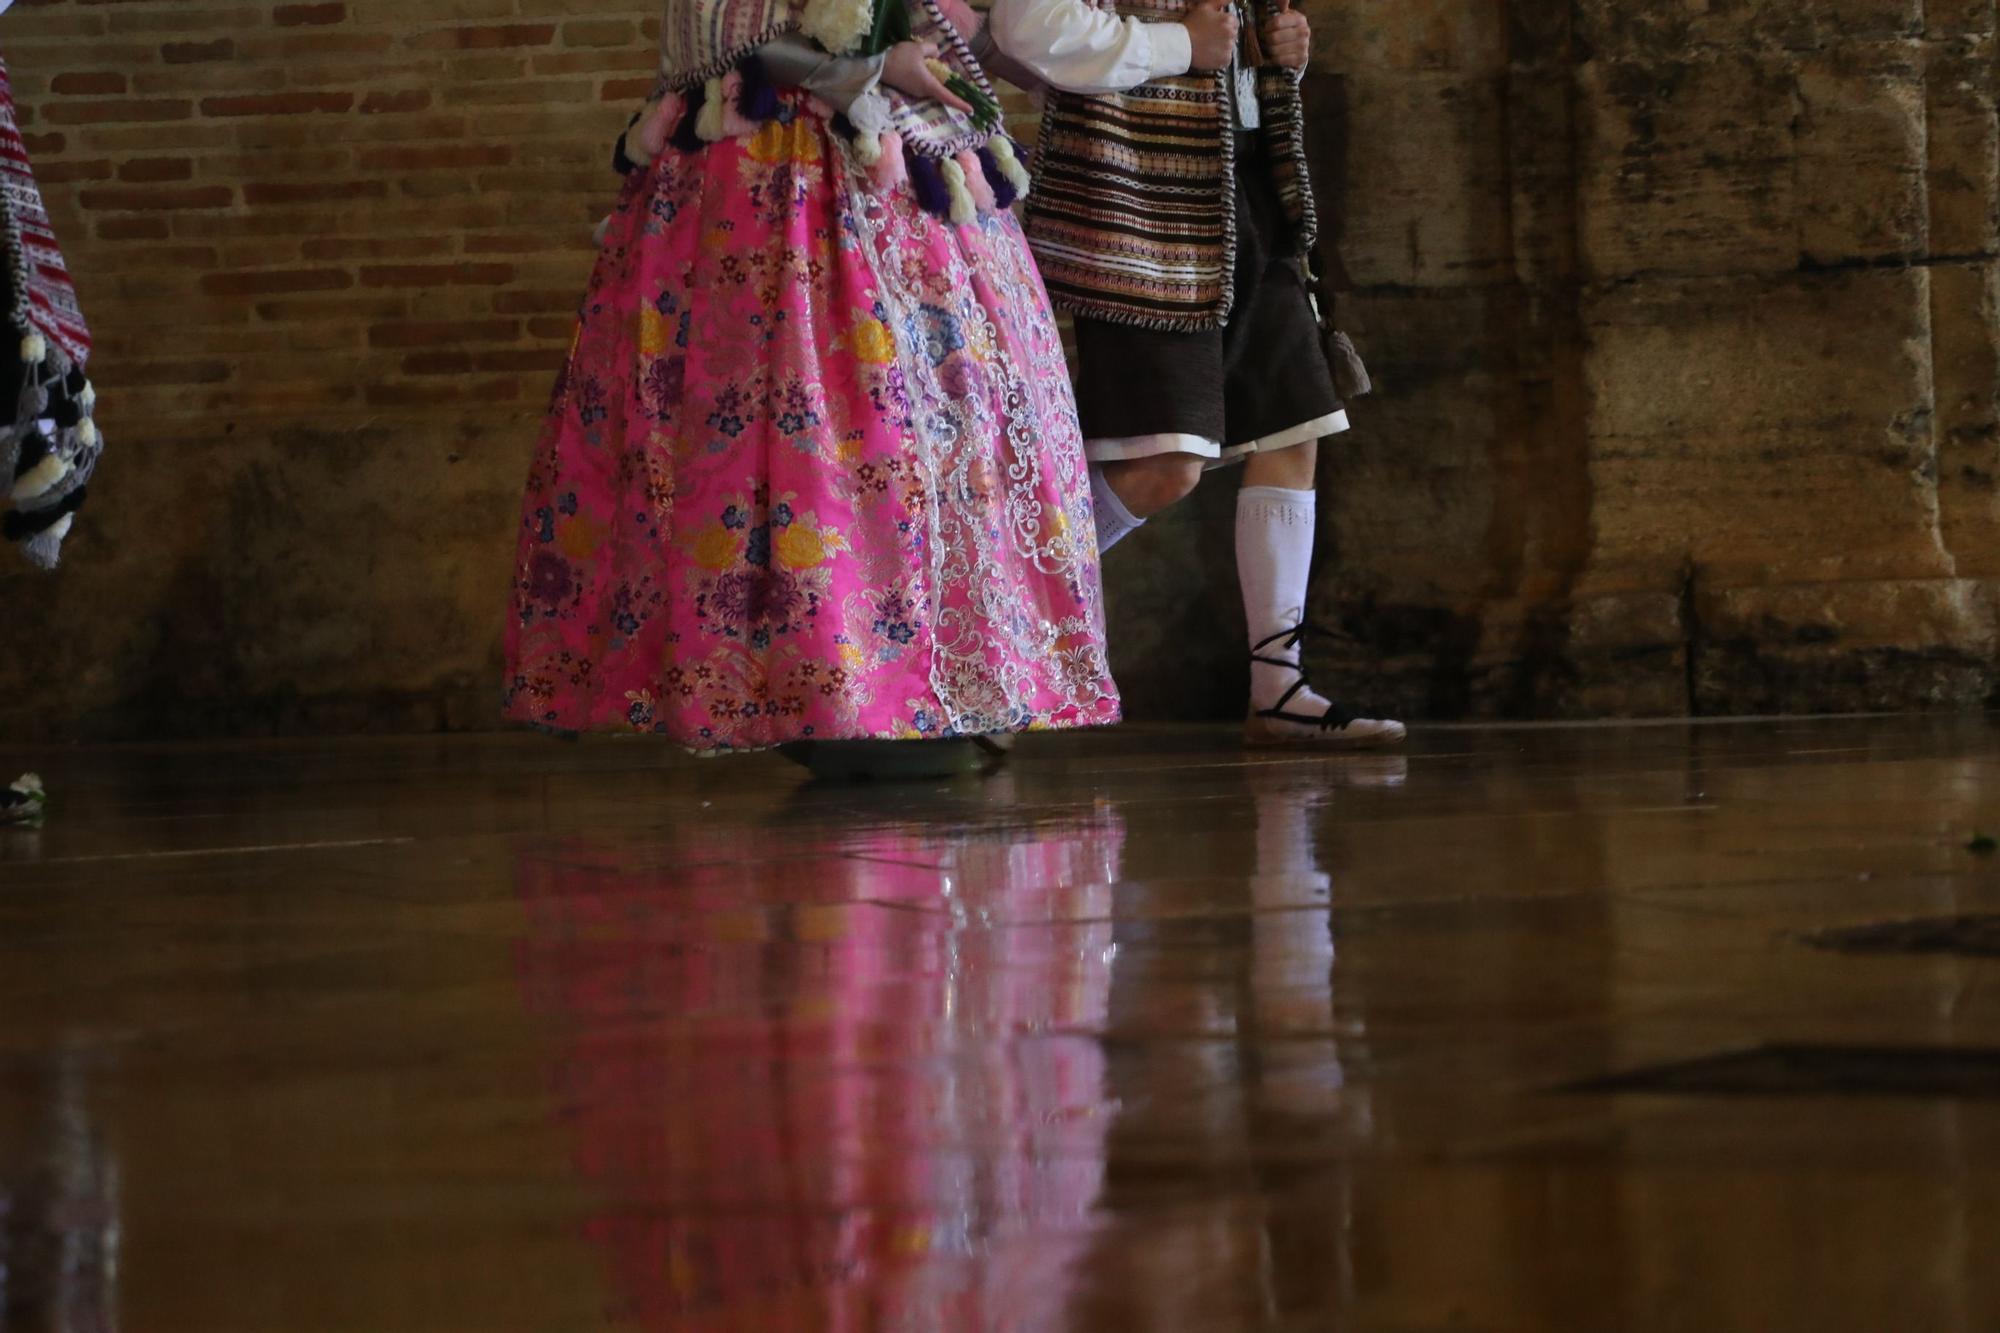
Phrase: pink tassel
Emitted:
{"points": [[735, 125], [975, 181], [654, 129], [891, 171]]}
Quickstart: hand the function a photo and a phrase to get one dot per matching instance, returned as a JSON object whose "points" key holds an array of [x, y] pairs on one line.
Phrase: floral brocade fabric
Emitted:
{"points": [[812, 470]]}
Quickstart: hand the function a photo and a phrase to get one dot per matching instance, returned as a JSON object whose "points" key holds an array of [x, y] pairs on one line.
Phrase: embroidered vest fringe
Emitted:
{"points": [[49, 442]]}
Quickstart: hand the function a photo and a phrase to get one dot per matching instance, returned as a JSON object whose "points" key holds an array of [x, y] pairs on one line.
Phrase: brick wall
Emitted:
{"points": [[330, 252], [355, 207]]}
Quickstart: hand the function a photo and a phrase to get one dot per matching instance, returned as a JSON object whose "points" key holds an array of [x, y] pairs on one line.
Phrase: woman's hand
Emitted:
{"points": [[1287, 37], [906, 68]]}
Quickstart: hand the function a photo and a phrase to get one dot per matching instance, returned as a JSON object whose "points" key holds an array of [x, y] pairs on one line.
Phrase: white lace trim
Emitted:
{"points": [[988, 651]]}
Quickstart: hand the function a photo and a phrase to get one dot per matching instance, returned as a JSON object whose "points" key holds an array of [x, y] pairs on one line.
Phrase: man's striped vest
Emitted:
{"points": [[1132, 217]]}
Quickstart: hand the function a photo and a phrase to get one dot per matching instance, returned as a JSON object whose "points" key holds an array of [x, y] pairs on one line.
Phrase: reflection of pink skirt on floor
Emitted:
{"points": [[812, 470], [860, 1087]]}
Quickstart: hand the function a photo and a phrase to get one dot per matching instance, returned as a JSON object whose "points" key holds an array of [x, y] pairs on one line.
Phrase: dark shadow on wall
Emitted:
{"points": [[287, 567], [1179, 647], [1475, 437]]}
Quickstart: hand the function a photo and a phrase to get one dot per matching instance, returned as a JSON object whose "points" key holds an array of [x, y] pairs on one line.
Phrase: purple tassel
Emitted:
{"points": [[927, 182], [684, 136], [1004, 193], [759, 99]]}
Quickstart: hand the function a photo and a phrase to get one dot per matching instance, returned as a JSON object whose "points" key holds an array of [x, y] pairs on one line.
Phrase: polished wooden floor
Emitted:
{"points": [[497, 1034]]}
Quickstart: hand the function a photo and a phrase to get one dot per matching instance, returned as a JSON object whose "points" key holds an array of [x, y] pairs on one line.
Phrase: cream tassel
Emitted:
{"points": [[86, 433], [867, 149], [708, 126], [963, 210], [34, 349], [38, 480], [1010, 166]]}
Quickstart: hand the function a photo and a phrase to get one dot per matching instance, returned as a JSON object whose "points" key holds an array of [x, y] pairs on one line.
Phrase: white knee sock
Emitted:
{"points": [[1274, 543], [1114, 521]]}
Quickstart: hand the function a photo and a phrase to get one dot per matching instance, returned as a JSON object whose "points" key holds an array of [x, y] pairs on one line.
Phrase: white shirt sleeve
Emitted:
{"points": [[1084, 50]]}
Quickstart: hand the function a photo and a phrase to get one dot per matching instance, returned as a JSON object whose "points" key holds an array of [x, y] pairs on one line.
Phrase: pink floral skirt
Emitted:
{"points": [[812, 470]]}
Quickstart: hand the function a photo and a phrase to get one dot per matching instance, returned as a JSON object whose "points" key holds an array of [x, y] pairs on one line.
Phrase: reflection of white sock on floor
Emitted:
{"points": [[1274, 544], [1285, 834], [1291, 941], [1114, 521]]}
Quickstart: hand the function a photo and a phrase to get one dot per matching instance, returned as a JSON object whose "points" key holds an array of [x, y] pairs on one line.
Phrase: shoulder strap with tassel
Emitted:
{"points": [[1350, 373]]}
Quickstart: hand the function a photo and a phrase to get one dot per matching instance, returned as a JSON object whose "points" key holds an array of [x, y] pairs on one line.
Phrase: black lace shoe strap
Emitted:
{"points": [[1289, 640], [1333, 719]]}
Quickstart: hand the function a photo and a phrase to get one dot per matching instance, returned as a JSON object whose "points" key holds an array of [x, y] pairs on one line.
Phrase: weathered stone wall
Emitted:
{"points": [[1683, 314]]}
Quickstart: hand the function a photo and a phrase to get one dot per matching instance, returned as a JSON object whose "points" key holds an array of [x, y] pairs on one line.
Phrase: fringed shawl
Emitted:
{"points": [[49, 445], [703, 40]]}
